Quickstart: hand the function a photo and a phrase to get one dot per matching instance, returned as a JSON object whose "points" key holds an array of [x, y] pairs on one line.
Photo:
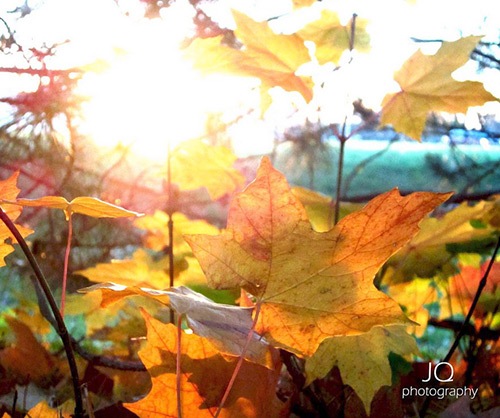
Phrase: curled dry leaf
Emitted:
{"points": [[205, 375], [226, 327], [311, 285]]}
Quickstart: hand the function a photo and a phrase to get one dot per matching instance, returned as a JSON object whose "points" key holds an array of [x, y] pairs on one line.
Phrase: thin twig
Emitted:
{"points": [[66, 263], [178, 366], [240, 360], [465, 324], [170, 212], [339, 180], [61, 327]]}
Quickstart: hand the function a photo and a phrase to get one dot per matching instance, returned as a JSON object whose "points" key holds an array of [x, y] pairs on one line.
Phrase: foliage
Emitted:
{"points": [[305, 308]]}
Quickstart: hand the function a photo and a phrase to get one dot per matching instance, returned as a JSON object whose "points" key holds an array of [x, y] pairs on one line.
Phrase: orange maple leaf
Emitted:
{"points": [[205, 374], [310, 285]]}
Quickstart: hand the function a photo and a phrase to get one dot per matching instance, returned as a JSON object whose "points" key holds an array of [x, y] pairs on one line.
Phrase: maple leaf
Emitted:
{"points": [[89, 206], [311, 285], [43, 410], [156, 227], [226, 327], [427, 250], [9, 192], [320, 208], [141, 270], [427, 85], [196, 164], [27, 359], [413, 296], [332, 38], [271, 57], [362, 359], [462, 289], [205, 374]]}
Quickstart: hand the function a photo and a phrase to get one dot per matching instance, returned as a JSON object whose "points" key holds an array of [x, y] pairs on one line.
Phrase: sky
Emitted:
{"points": [[150, 95]]}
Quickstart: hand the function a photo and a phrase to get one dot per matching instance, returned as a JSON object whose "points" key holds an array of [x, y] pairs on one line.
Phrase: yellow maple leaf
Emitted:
{"points": [[332, 38], [427, 85], [205, 374], [320, 208], [271, 57], [196, 164], [156, 227], [43, 410], [427, 250], [89, 206], [310, 285], [9, 192], [413, 296], [141, 270], [362, 359]]}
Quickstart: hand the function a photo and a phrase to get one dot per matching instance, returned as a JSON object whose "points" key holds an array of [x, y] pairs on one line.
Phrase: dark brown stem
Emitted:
{"points": [[465, 324], [61, 327]]}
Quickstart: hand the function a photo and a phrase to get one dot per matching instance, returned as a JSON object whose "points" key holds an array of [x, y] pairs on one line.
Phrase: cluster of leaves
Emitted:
{"points": [[323, 309]]}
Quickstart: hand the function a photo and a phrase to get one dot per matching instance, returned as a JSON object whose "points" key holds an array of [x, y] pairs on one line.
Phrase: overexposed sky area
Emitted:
{"points": [[149, 94]]}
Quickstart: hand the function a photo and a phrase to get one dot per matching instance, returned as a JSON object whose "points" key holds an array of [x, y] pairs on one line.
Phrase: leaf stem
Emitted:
{"points": [[342, 140], [178, 366], [240, 360], [465, 324], [61, 327], [170, 225], [66, 263]]}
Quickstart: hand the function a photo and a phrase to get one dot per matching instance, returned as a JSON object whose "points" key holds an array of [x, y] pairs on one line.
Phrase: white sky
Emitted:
{"points": [[171, 100]]}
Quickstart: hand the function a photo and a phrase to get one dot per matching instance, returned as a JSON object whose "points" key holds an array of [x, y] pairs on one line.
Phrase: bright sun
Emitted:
{"points": [[150, 95]]}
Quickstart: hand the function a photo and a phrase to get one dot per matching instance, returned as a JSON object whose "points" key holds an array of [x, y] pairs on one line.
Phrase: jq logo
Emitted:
{"points": [[436, 372], [439, 392]]}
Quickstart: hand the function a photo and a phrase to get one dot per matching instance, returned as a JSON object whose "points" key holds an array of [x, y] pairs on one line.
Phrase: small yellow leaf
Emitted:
{"points": [[43, 410], [332, 38], [362, 359], [427, 85], [196, 164], [89, 206], [156, 227], [413, 296], [141, 270]]}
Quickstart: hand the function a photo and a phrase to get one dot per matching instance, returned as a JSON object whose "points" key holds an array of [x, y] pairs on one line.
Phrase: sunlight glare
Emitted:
{"points": [[150, 95]]}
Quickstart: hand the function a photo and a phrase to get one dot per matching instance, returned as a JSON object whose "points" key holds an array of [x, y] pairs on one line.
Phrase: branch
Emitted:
{"points": [[61, 327], [456, 198], [465, 324], [484, 333]]}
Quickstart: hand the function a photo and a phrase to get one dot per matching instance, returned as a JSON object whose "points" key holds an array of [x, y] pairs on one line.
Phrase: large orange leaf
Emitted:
{"points": [[271, 57], [9, 192], [205, 374], [427, 85], [311, 285]]}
